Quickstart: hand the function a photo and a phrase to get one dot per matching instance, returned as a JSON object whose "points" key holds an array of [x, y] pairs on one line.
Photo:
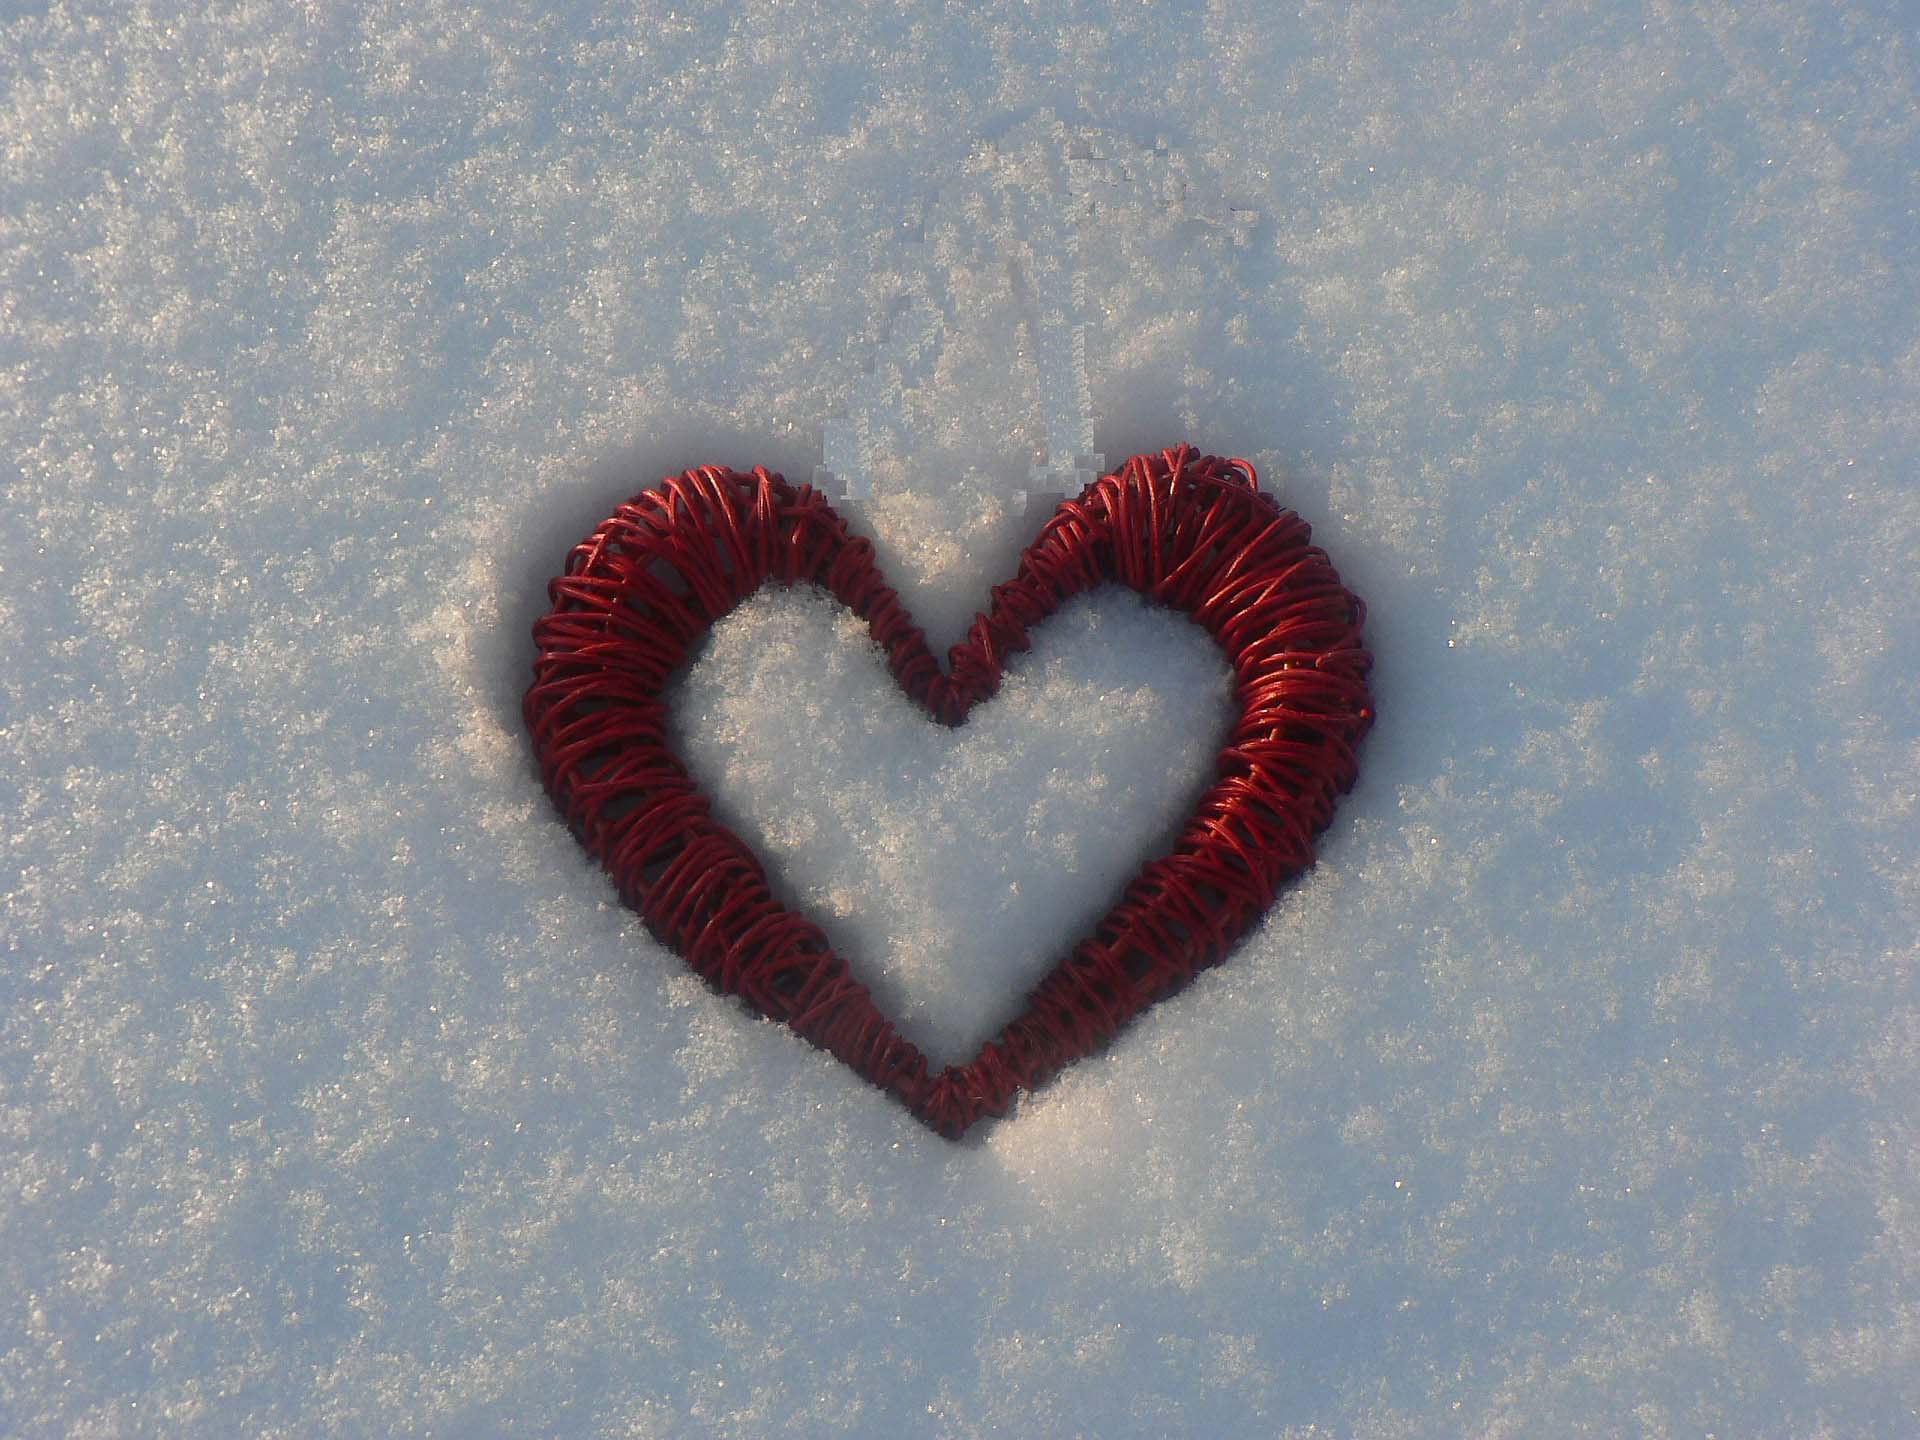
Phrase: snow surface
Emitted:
{"points": [[1573, 1093]]}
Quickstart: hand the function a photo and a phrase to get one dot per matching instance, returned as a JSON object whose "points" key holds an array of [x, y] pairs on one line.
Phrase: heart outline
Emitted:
{"points": [[1189, 531]]}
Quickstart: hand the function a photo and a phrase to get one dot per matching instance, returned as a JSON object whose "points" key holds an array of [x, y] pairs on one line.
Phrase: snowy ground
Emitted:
{"points": [[1574, 1093]]}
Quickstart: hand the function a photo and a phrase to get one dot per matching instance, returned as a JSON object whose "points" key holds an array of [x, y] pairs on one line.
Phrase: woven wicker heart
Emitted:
{"points": [[1191, 532]]}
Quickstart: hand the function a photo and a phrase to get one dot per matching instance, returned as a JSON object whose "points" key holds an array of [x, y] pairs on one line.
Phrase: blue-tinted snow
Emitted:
{"points": [[1573, 1094]]}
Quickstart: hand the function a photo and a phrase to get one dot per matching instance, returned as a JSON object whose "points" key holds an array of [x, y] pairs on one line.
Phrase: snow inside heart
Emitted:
{"points": [[952, 867]]}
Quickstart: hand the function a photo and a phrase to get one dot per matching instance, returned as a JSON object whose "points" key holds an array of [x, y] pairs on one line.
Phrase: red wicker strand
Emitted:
{"points": [[1191, 532]]}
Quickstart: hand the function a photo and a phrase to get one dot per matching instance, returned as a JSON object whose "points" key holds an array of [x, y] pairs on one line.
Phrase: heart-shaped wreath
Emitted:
{"points": [[1188, 531]]}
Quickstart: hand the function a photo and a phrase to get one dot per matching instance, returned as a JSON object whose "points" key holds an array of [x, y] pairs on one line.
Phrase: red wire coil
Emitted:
{"points": [[1190, 532]]}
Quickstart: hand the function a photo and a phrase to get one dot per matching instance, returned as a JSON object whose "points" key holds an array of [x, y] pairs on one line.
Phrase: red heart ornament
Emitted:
{"points": [[1191, 532]]}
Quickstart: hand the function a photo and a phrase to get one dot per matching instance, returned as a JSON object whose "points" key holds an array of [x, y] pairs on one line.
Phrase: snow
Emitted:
{"points": [[1572, 1093], [953, 864]]}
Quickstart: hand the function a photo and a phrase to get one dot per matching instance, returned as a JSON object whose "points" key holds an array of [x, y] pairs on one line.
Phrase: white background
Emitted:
{"points": [[1573, 1093]]}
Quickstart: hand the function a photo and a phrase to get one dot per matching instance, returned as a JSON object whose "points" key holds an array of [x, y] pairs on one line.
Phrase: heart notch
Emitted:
{"points": [[1189, 531]]}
